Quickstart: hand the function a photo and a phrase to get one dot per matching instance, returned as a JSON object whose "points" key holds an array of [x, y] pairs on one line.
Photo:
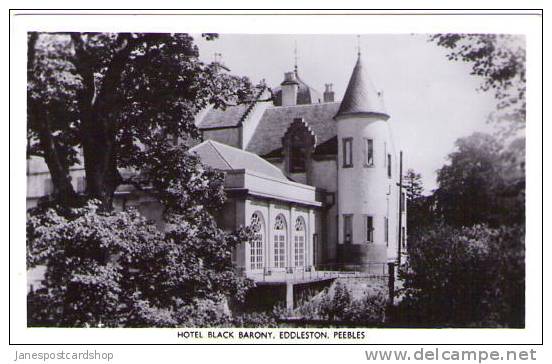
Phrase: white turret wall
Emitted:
{"points": [[367, 190]]}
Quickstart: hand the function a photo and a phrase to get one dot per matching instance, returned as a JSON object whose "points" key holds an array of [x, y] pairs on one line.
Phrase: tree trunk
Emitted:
{"points": [[102, 176], [98, 124], [63, 189]]}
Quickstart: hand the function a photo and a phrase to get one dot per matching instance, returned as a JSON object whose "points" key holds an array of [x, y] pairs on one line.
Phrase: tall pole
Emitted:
{"points": [[400, 209]]}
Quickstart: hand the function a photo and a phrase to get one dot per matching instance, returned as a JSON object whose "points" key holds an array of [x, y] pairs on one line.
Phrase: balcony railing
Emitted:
{"points": [[321, 272]]}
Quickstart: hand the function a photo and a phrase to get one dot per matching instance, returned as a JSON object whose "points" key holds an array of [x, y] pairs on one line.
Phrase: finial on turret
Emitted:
{"points": [[295, 57], [358, 45]]}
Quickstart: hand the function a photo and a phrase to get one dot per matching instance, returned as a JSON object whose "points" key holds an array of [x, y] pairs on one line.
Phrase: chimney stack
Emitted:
{"points": [[289, 89], [328, 93]]}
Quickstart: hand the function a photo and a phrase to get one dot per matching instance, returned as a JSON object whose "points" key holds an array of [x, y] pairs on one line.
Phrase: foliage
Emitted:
{"points": [[483, 183], [105, 99], [369, 309], [181, 182], [499, 59], [117, 269], [469, 276], [420, 213], [338, 304], [254, 319], [123, 105], [413, 184]]}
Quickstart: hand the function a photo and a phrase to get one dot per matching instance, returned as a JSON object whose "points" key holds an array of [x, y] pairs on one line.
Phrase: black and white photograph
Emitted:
{"points": [[265, 180]]}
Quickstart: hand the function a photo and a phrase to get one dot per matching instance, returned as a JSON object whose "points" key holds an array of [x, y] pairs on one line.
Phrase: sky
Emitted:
{"points": [[432, 101]]}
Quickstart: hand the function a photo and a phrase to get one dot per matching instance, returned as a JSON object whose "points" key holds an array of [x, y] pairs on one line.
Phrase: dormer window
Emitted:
{"points": [[298, 144], [297, 156]]}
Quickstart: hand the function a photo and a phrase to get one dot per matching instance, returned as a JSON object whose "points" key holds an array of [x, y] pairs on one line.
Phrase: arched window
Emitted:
{"points": [[280, 239], [299, 240], [256, 252]]}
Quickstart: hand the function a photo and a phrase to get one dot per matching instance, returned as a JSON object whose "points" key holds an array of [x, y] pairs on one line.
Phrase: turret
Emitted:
{"points": [[367, 201]]}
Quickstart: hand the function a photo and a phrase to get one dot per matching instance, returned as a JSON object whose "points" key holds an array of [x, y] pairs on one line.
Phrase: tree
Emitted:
{"points": [[465, 277], [467, 185], [117, 103], [420, 207], [413, 185], [117, 269], [483, 183], [500, 60], [104, 99]]}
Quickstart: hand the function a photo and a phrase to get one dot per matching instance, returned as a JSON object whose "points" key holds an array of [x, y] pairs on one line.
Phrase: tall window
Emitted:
{"points": [[298, 144], [297, 162], [403, 237], [315, 248], [389, 165], [299, 238], [280, 232], [368, 152], [403, 201], [386, 227], [347, 152], [256, 249], [348, 229], [369, 229]]}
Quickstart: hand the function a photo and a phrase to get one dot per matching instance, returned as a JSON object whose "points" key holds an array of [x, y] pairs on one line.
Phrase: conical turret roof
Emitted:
{"points": [[361, 97]]}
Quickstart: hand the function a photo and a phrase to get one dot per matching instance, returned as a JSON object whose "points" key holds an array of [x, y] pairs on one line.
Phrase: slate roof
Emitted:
{"points": [[267, 138], [218, 118], [226, 158], [361, 97], [232, 116]]}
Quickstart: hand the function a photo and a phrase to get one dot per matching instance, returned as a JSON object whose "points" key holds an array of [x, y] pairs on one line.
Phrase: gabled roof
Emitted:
{"points": [[361, 97], [226, 158], [275, 121]]}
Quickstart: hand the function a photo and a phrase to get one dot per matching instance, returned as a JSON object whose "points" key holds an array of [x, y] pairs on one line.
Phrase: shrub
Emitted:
{"points": [[339, 305], [470, 276], [116, 269]]}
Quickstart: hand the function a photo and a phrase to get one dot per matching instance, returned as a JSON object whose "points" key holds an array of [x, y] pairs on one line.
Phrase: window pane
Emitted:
{"points": [[297, 159], [347, 152], [348, 228], [369, 229], [369, 152], [386, 222]]}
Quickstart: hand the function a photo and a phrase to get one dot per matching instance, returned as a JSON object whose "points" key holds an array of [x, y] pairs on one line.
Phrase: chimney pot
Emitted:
{"points": [[329, 95]]}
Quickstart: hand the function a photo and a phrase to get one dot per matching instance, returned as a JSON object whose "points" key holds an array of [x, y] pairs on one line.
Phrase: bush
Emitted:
{"points": [[337, 306], [116, 269], [369, 309], [465, 277], [340, 305]]}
